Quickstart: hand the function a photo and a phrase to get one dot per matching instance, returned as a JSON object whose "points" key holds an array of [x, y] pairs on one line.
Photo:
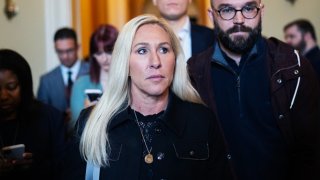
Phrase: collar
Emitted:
{"points": [[171, 117], [74, 69], [186, 29], [218, 57]]}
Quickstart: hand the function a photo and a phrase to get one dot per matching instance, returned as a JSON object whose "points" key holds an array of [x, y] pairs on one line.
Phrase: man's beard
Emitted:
{"points": [[301, 46], [238, 44]]}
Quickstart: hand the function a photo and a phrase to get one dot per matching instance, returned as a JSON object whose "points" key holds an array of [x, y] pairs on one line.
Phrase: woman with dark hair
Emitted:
{"points": [[101, 46], [26, 122]]}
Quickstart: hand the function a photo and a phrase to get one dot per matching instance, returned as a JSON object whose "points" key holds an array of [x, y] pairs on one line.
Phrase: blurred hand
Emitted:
{"points": [[6, 165], [27, 159], [88, 103]]}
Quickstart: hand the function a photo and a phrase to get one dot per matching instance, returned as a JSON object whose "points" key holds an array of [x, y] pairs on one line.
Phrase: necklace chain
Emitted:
{"points": [[144, 140]]}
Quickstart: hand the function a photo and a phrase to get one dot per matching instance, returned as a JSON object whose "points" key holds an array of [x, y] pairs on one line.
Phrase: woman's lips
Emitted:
{"points": [[155, 77]]}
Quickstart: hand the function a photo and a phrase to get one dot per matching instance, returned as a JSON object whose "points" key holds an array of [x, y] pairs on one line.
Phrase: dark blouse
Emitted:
{"points": [[148, 125], [42, 131]]}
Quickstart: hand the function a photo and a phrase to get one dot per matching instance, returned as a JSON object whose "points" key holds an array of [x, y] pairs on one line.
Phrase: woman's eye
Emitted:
{"points": [[12, 86], [142, 51], [164, 50]]}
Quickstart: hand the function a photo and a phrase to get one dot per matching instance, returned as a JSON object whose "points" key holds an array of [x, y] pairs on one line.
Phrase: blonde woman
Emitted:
{"points": [[151, 123]]}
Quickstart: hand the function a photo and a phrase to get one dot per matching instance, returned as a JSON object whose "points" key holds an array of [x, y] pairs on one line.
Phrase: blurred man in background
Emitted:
{"points": [[302, 36]]}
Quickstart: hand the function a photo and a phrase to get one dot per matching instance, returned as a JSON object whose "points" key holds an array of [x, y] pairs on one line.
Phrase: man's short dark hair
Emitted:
{"points": [[65, 33], [304, 26]]}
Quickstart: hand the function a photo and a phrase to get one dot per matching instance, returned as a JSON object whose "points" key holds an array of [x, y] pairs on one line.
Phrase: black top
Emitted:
{"points": [[244, 109], [149, 127], [42, 132], [299, 125]]}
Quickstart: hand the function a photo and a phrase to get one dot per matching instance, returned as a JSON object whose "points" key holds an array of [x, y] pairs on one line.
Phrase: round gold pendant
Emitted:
{"points": [[148, 158]]}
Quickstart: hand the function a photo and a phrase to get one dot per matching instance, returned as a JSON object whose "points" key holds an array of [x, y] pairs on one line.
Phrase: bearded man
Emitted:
{"points": [[264, 94], [301, 35]]}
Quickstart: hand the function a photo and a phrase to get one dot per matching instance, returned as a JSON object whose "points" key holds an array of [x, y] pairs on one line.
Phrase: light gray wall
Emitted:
{"points": [[31, 32], [279, 12], [25, 33]]}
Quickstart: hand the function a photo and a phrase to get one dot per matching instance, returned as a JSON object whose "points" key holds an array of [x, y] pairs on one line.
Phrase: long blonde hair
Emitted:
{"points": [[94, 144]]}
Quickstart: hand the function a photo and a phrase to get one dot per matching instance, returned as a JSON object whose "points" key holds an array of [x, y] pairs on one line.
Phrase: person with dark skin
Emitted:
{"points": [[24, 120]]}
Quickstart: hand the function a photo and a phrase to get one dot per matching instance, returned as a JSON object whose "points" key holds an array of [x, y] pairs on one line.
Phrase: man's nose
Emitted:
{"points": [[238, 18]]}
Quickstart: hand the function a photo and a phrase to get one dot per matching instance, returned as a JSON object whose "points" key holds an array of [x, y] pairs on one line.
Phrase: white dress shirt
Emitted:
{"points": [[184, 36], [74, 69]]}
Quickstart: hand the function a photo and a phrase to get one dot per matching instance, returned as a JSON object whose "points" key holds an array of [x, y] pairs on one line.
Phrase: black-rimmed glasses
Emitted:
{"points": [[248, 12]]}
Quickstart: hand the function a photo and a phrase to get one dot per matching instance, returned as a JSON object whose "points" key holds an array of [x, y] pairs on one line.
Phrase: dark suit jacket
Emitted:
{"points": [[52, 89], [201, 38], [314, 57]]}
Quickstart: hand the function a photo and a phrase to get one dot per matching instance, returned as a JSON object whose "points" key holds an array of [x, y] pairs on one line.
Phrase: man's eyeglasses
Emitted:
{"points": [[248, 12]]}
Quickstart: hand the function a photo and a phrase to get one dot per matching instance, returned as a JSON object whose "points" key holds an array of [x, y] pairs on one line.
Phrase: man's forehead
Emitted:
{"points": [[293, 28], [234, 3]]}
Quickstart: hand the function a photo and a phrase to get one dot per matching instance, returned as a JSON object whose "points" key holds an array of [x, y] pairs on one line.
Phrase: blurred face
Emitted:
{"points": [[238, 34], [9, 93], [152, 62], [295, 38], [172, 9], [67, 50], [104, 60]]}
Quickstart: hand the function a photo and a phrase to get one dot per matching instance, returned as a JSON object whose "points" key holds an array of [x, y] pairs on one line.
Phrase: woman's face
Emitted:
{"points": [[9, 93], [103, 60], [152, 61]]}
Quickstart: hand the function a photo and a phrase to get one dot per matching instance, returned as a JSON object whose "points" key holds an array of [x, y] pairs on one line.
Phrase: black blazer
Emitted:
{"points": [[188, 136], [201, 38]]}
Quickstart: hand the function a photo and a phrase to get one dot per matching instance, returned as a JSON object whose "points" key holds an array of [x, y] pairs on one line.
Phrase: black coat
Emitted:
{"points": [[42, 131], [188, 136]]}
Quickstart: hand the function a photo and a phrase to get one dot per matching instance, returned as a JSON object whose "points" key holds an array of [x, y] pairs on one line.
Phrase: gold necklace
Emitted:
{"points": [[149, 157]]}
